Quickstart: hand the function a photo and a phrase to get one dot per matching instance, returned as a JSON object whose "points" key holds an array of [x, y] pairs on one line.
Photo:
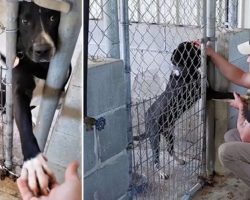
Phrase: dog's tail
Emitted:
{"points": [[140, 137]]}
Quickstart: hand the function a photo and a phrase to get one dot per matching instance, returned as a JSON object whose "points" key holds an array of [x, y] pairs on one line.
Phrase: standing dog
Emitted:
{"points": [[36, 45], [182, 91]]}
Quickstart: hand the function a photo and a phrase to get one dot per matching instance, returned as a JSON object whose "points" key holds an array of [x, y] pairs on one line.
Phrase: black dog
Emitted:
{"points": [[182, 91], [36, 45]]}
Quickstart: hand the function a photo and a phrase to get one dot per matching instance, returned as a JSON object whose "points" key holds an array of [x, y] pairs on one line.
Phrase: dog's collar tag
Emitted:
{"points": [[16, 62], [176, 72]]}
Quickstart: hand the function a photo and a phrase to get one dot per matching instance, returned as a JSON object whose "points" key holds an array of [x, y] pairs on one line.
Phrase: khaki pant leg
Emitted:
{"points": [[236, 157]]}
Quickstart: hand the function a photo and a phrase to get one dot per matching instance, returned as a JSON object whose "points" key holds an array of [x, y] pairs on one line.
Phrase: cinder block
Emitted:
{"points": [[113, 138], [106, 87], [64, 148], [89, 154], [110, 182], [76, 79], [58, 170], [234, 40], [70, 119]]}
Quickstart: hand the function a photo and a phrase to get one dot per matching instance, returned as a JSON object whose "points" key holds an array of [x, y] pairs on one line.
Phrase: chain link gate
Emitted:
{"points": [[156, 28]]}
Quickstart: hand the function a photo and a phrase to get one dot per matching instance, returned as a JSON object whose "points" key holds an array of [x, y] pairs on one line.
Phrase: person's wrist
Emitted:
{"points": [[242, 107]]}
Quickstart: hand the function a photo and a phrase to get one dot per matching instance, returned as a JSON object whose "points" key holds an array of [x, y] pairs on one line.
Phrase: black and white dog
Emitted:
{"points": [[36, 44], [182, 91]]}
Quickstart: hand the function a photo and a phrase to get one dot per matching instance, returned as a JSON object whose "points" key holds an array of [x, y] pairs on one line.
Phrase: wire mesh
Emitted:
{"points": [[175, 119], [167, 112]]}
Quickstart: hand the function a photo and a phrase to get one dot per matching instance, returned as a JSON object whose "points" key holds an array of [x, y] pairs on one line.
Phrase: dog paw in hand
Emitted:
{"points": [[38, 175]]}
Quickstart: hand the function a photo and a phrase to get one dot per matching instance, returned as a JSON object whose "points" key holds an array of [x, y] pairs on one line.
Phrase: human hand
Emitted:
{"points": [[37, 174], [69, 190], [209, 50], [238, 102]]}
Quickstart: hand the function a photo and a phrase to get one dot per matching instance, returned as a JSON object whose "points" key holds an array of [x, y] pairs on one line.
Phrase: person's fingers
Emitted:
{"points": [[52, 179], [196, 43], [24, 174], [236, 95], [32, 181], [71, 170], [24, 189], [43, 180]]}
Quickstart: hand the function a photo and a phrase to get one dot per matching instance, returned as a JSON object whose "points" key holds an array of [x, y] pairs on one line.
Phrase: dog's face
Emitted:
{"points": [[187, 56], [37, 31]]}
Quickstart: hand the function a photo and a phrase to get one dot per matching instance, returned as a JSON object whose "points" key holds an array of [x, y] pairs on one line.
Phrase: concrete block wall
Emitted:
{"points": [[226, 116], [106, 163], [65, 141]]}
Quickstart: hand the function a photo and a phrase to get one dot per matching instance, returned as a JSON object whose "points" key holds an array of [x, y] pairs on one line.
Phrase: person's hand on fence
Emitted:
{"points": [[209, 50], [69, 190]]}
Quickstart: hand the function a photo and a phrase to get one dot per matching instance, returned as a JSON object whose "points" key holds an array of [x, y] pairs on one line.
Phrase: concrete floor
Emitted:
{"points": [[225, 188], [8, 190]]}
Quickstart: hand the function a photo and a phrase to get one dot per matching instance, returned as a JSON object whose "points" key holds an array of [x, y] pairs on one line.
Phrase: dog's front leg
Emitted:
{"points": [[35, 168]]}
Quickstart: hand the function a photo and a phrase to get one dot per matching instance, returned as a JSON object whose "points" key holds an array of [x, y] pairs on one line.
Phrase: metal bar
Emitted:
{"points": [[192, 191], [210, 153], [11, 37], [233, 13], [60, 6], [203, 82], [85, 51], [69, 29], [112, 28], [126, 59], [241, 13]]}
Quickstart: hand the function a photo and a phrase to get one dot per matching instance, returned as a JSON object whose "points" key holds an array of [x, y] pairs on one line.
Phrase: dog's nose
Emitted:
{"points": [[41, 49]]}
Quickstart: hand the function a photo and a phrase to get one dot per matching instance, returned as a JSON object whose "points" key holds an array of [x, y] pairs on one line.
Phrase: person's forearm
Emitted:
{"points": [[243, 125], [230, 71]]}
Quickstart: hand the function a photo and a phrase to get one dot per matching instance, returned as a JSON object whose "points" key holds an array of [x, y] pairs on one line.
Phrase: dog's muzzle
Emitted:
{"points": [[41, 52], [43, 48]]}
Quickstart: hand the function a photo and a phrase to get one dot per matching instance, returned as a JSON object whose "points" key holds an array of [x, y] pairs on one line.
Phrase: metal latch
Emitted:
{"points": [[98, 123]]}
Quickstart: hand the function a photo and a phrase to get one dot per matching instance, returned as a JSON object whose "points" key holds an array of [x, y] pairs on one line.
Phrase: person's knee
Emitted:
{"points": [[224, 152]]}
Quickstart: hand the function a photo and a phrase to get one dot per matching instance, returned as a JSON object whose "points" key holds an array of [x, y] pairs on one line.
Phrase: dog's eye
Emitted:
{"points": [[52, 18], [25, 22]]}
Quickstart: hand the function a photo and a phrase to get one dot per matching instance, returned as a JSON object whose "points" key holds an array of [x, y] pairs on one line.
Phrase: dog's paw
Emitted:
{"points": [[38, 175], [161, 172], [163, 175]]}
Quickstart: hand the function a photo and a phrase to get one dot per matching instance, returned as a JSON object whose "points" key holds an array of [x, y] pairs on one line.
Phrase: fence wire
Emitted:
{"points": [[166, 89]]}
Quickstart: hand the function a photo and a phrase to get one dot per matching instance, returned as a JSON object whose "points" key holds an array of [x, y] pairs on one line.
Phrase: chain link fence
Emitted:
{"points": [[168, 127]]}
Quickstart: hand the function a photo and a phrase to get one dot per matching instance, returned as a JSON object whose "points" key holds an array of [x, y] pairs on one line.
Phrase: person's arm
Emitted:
{"points": [[230, 71], [243, 125]]}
